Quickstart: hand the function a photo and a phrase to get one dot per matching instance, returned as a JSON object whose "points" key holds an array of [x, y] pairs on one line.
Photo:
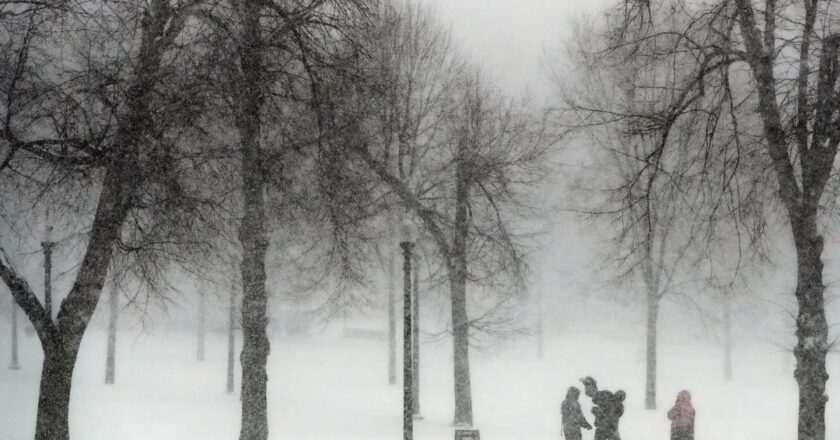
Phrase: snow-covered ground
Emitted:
{"points": [[329, 387]]}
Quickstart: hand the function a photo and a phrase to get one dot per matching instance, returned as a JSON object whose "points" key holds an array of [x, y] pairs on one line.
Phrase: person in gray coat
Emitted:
{"points": [[571, 415]]}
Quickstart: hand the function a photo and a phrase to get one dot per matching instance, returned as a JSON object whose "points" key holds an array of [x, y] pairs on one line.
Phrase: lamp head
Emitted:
{"points": [[47, 236], [408, 232], [48, 233]]}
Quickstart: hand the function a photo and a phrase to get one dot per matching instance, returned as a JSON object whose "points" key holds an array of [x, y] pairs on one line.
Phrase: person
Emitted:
{"points": [[608, 409], [682, 417], [571, 415]]}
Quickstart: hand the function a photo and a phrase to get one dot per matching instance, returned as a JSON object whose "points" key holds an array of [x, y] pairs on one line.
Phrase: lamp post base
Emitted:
{"points": [[467, 434]]}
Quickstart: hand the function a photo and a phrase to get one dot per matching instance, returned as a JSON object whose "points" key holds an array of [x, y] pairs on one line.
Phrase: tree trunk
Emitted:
{"points": [[458, 289], [252, 234], [231, 339], [110, 361], [727, 336], [811, 329], [61, 340], [415, 339], [392, 312], [650, 368], [54, 396], [802, 204], [61, 337], [202, 325], [14, 364], [461, 351], [255, 344]]}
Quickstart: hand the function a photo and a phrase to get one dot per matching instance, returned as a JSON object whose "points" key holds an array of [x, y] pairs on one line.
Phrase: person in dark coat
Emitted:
{"points": [[608, 409], [682, 417], [571, 415]]}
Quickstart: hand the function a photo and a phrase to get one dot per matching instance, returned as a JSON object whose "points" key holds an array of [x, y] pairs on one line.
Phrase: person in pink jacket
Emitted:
{"points": [[682, 417]]}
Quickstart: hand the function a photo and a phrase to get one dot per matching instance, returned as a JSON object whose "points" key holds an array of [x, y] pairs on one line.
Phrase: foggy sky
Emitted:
{"points": [[507, 37], [512, 40]]}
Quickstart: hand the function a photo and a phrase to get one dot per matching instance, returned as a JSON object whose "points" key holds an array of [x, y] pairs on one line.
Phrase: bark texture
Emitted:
{"points": [[54, 396], [458, 287], [811, 332], [252, 233]]}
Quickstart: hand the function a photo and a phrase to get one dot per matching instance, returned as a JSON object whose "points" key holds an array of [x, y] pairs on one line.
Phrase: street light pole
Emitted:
{"points": [[47, 245], [407, 244], [14, 364], [392, 313], [415, 341]]}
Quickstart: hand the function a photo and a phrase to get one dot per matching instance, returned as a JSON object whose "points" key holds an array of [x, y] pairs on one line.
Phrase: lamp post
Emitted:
{"points": [[392, 313], [415, 341], [47, 245], [14, 364], [407, 245]]}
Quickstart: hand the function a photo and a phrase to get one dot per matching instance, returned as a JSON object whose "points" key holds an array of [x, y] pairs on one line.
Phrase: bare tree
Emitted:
{"points": [[413, 51], [467, 196], [86, 129], [273, 46]]}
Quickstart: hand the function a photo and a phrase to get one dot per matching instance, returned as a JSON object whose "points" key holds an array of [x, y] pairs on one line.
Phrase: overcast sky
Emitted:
{"points": [[508, 37]]}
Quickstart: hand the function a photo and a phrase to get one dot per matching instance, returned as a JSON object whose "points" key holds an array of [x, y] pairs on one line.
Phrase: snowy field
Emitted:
{"points": [[329, 387]]}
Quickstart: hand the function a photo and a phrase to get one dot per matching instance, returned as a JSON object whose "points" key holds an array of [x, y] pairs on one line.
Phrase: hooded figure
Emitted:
{"points": [[571, 415], [608, 409], [682, 417]]}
